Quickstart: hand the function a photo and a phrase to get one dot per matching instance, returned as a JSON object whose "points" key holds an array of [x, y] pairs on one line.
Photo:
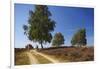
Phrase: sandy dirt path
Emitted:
{"points": [[32, 58], [45, 56]]}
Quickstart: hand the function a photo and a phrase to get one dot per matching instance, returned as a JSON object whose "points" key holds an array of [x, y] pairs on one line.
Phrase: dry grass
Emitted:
{"points": [[21, 57], [71, 54], [63, 54]]}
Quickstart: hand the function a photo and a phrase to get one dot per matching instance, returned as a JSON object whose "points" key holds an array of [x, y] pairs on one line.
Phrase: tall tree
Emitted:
{"points": [[40, 25], [58, 39], [79, 38]]}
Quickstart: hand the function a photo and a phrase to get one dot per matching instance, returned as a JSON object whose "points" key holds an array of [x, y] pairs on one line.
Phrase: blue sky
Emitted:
{"points": [[68, 21]]}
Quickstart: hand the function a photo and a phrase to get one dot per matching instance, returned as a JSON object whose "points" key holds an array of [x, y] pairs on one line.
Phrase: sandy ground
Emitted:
{"points": [[34, 60]]}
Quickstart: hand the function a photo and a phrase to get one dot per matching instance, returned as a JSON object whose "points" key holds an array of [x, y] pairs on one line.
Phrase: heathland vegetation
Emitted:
{"points": [[39, 29]]}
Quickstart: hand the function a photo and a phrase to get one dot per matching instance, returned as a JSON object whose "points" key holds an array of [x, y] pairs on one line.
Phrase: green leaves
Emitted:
{"points": [[58, 39], [79, 38], [40, 25], [25, 27]]}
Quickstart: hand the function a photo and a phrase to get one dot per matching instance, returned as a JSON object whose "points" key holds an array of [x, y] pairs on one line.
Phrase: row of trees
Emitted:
{"points": [[40, 25], [78, 39]]}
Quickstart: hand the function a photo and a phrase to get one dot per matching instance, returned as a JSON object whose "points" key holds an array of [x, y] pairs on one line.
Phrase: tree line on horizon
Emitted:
{"points": [[40, 26]]}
